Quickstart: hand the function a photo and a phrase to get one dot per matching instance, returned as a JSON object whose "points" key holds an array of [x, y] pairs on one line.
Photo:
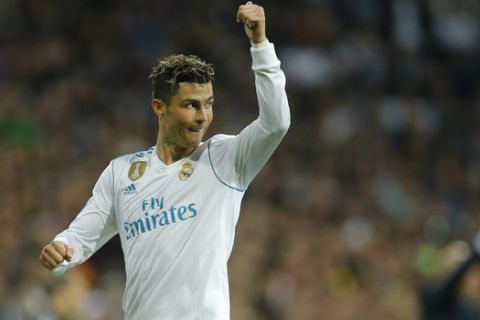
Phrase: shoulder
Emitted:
{"points": [[219, 150], [219, 144], [124, 163], [129, 167], [221, 159], [219, 139], [139, 156]]}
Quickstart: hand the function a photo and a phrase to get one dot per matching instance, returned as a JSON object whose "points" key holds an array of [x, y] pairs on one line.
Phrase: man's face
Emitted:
{"points": [[185, 120]]}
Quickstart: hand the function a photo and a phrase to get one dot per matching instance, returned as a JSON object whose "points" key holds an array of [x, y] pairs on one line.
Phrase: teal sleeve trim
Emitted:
{"points": [[216, 175], [113, 182]]}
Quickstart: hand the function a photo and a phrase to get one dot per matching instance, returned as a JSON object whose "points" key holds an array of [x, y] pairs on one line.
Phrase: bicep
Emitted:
{"points": [[252, 149]]}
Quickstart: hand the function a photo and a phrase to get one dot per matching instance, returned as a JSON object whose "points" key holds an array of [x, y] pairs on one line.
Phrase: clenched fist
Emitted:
{"points": [[54, 253], [253, 18]]}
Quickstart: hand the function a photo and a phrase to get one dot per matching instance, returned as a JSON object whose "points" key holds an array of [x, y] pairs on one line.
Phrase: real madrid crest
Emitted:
{"points": [[137, 169], [186, 171]]}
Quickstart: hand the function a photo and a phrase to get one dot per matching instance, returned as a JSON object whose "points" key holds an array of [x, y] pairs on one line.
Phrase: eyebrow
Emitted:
{"points": [[196, 100]]}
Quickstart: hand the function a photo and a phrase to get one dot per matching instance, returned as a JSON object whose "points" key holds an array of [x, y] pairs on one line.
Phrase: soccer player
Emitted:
{"points": [[175, 205]]}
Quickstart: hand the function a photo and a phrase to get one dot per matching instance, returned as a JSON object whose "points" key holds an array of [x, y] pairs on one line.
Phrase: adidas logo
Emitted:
{"points": [[131, 189]]}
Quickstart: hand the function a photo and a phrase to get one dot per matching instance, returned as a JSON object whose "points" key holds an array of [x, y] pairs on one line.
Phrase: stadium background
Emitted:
{"points": [[373, 193]]}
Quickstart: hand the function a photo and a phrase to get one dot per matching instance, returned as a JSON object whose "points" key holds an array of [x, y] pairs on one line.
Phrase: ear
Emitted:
{"points": [[159, 107]]}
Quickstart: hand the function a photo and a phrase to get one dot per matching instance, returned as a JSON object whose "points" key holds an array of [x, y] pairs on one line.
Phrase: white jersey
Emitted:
{"points": [[177, 222]]}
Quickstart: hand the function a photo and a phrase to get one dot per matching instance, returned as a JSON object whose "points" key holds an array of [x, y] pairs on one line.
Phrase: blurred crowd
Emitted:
{"points": [[374, 193]]}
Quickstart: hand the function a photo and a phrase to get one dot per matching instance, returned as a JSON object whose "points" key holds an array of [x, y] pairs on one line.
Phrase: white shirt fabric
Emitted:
{"points": [[177, 222]]}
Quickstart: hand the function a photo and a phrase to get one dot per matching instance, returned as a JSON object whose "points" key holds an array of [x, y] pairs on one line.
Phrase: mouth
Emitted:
{"points": [[196, 130]]}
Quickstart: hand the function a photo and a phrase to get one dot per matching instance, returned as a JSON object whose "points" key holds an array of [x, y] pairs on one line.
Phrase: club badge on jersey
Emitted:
{"points": [[186, 171], [137, 169]]}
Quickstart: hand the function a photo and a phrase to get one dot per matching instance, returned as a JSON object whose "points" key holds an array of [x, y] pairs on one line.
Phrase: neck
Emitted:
{"points": [[170, 153]]}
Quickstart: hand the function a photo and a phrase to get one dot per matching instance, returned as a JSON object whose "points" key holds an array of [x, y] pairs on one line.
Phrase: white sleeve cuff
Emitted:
{"points": [[260, 45], [264, 56], [61, 268], [64, 265]]}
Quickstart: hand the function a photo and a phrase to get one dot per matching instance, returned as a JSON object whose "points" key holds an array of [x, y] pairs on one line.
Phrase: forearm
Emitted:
{"points": [[274, 113], [90, 230], [96, 222]]}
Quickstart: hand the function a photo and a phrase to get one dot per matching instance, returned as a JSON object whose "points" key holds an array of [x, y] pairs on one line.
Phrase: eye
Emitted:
{"points": [[209, 104], [189, 105]]}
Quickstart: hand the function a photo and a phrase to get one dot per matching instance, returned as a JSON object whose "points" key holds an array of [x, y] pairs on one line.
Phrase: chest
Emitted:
{"points": [[157, 188]]}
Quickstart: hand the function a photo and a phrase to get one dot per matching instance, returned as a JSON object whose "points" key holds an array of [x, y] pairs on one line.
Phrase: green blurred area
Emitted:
{"points": [[19, 131]]}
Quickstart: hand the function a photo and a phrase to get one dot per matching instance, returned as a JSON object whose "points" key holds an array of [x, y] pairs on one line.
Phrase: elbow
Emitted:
{"points": [[280, 127], [284, 125], [284, 122], [284, 119]]}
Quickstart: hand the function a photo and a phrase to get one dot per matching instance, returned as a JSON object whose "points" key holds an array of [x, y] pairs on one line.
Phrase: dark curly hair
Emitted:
{"points": [[173, 69]]}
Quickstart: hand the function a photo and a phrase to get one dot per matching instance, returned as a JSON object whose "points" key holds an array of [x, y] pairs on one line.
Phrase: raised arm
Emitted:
{"points": [[248, 151], [256, 143]]}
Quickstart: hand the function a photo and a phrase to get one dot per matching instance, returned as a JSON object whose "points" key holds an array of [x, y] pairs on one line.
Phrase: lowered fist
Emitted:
{"points": [[54, 253]]}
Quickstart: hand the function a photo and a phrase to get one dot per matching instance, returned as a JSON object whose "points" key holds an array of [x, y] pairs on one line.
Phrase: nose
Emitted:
{"points": [[201, 115]]}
